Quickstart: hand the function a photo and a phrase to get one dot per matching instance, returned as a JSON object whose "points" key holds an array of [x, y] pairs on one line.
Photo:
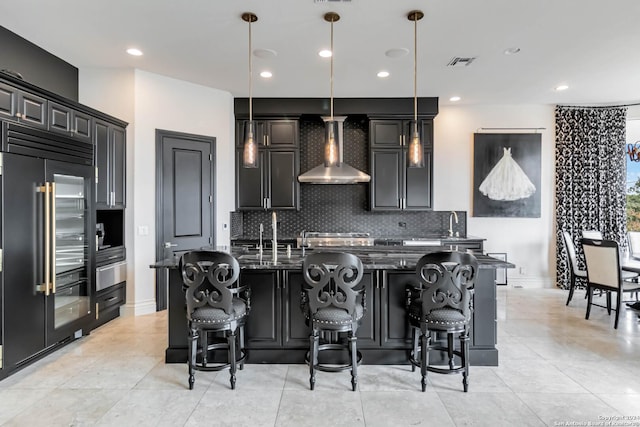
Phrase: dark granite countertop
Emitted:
{"points": [[373, 258]]}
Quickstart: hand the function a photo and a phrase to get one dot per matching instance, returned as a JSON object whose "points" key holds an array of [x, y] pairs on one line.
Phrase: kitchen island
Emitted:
{"points": [[276, 331]]}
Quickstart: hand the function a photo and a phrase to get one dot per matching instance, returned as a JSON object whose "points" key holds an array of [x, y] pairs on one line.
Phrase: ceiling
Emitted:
{"points": [[590, 45]]}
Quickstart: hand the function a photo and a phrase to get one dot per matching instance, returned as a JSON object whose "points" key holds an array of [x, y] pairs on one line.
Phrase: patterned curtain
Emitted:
{"points": [[590, 177]]}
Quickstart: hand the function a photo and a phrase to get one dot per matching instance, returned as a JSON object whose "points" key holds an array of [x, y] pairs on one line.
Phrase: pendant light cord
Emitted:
{"points": [[250, 76], [415, 67], [331, 79]]}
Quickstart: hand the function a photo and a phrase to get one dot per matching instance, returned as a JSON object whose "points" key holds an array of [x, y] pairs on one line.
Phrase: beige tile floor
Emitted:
{"points": [[556, 368]]}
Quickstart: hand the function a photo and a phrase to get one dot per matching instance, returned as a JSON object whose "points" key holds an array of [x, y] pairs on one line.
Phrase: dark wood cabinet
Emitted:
{"points": [[296, 331], [263, 327], [22, 106], [273, 184], [108, 302], [70, 122], [274, 133], [394, 324], [394, 186], [110, 161]]}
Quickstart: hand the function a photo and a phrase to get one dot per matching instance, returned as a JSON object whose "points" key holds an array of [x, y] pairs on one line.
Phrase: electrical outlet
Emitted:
{"points": [[523, 271]]}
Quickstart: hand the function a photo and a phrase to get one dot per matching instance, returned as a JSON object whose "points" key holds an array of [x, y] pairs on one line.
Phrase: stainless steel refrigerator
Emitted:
{"points": [[48, 237]]}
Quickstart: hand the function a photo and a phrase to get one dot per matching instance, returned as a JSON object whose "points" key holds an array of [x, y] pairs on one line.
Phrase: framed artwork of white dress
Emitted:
{"points": [[507, 175]]}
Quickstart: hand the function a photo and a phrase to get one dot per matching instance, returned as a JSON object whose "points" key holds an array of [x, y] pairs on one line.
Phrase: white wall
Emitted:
{"points": [[528, 242], [150, 102]]}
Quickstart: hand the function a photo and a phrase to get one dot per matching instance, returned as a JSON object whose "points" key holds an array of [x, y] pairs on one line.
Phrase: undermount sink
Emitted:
{"points": [[422, 242], [266, 259]]}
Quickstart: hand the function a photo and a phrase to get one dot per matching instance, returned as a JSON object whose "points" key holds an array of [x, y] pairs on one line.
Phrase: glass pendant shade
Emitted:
{"points": [[416, 152], [250, 150], [331, 151]]}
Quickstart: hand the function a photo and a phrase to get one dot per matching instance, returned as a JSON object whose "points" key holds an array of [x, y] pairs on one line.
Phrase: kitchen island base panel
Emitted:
{"points": [[477, 357], [385, 346]]}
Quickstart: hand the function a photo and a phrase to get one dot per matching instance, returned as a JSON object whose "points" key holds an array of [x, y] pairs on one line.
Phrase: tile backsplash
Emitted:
{"points": [[341, 208]]}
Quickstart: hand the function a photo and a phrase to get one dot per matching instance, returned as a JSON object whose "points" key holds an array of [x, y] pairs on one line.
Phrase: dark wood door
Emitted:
{"points": [[284, 188], [184, 192], [118, 166], [386, 133], [394, 323], [296, 329], [386, 179], [250, 188], [419, 181], [369, 329], [32, 109], [23, 251], [281, 133], [263, 328], [101, 132]]}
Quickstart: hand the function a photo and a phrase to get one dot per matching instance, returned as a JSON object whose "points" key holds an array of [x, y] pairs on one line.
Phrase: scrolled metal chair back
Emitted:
{"points": [[331, 278], [447, 279], [220, 270]]}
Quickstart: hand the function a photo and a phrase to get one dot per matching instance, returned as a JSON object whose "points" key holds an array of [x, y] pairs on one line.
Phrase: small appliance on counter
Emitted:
{"points": [[100, 237]]}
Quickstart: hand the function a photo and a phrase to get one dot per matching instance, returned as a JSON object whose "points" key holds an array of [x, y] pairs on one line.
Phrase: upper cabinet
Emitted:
{"points": [[273, 184], [394, 186], [68, 121], [110, 152], [22, 106]]}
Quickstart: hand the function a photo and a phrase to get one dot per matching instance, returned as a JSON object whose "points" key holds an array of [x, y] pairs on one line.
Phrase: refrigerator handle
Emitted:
{"points": [[53, 237], [45, 286]]}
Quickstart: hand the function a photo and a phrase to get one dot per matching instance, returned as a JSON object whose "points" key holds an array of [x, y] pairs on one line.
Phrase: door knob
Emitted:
{"points": [[168, 245]]}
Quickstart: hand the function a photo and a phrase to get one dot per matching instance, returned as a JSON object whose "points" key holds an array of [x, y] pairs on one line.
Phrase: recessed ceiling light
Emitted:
{"points": [[511, 51], [383, 74], [562, 87], [134, 52], [396, 52], [326, 53], [265, 53], [266, 74], [455, 98]]}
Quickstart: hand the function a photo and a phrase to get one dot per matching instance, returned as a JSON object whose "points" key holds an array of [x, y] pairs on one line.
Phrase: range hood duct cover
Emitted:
{"points": [[343, 174]]}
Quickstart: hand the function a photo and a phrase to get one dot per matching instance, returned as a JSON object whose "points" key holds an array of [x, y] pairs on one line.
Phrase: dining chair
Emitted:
{"points": [[633, 238], [592, 234], [575, 272], [602, 258]]}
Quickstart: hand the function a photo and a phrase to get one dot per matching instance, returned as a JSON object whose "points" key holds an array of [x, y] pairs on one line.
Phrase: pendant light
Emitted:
{"points": [[331, 154], [416, 150], [250, 148]]}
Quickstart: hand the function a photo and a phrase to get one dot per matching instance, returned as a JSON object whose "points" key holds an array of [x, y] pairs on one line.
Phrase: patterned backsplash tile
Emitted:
{"points": [[341, 208]]}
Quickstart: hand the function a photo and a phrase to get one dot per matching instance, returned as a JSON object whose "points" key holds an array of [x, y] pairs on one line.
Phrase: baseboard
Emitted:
{"points": [[532, 282], [138, 308]]}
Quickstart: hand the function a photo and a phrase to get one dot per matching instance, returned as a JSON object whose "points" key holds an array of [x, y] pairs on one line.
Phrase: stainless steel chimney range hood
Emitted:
{"points": [[343, 174]]}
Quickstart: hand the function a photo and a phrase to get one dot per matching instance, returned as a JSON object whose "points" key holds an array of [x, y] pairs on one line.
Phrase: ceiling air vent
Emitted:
{"points": [[460, 62], [332, 1]]}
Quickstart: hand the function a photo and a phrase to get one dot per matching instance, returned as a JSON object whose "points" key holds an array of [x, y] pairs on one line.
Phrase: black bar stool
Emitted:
{"points": [[332, 306], [215, 304], [442, 303]]}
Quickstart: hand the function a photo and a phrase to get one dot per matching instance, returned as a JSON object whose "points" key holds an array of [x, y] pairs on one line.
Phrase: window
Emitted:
{"points": [[633, 174]]}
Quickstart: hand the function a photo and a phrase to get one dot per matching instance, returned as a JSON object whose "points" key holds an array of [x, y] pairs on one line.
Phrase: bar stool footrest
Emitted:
{"points": [[332, 367]]}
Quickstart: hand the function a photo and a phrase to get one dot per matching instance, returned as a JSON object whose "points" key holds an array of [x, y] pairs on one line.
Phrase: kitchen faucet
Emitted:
{"points": [[303, 240], [451, 216], [260, 242], [274, 240]]}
